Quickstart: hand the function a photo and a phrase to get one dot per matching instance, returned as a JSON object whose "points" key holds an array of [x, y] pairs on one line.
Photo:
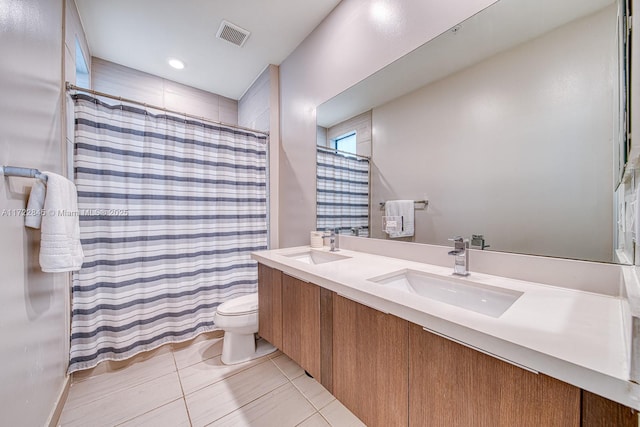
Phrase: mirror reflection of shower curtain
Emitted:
{"points": [[170, 211], [342, 193]]}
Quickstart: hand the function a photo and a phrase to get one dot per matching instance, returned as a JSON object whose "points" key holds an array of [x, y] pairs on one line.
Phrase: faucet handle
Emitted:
{"points": [[460, 242]]}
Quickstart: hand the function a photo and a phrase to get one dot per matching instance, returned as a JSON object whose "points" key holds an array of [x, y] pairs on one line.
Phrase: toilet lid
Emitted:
{"points": [[241, 305]]}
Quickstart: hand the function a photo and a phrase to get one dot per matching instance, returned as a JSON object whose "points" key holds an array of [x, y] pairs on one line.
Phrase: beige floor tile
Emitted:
{"points": [[197, 352], [315, 420], [98, 387], [172, 414], [210, 371], [290, 368], [217, 400], [110, 366], [313, 391], [339, 416], [283, 407], [128, 403]]}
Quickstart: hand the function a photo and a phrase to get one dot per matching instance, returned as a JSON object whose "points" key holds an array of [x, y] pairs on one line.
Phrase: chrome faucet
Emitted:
{"points": [[334, 239], [461, 253]]}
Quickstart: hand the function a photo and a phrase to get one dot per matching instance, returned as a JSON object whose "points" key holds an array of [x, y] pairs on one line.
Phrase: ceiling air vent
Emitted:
{"points": [[232, 33]]}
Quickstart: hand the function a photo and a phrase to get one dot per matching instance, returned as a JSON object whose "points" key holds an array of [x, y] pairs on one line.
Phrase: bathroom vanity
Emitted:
{"points": [[503, 351]]}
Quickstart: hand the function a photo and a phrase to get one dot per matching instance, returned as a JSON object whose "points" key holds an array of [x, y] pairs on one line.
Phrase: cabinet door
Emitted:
{"points": [[270, 304], [370, 372], [301, 323], [598, 411], [454, 385]]}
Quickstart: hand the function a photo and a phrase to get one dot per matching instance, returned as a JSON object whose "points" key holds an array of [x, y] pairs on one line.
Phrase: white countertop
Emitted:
{"points": [[575, 336]]}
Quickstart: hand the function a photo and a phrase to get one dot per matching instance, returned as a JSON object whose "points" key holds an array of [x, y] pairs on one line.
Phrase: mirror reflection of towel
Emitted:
{"points": [[404, 209]]}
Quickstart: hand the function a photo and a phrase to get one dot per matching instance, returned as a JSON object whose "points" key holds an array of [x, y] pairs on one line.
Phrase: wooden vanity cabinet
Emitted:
{"points": [[598, 411], [453, 385], [390, 372], [289, 317], [301, 323], [370, 372], [270, 304]]}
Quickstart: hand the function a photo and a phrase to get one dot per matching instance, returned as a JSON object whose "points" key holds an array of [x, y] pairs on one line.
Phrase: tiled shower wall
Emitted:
{"points": [[118, 80]]}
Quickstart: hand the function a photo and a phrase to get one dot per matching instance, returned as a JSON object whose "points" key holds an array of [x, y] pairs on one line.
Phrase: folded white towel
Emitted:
{"points": [[405, 210], [60, 248], [33, 219]]}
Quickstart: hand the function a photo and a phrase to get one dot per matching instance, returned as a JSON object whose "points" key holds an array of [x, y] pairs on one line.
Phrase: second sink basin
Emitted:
{"points": [[316, 257], [485, 299]]}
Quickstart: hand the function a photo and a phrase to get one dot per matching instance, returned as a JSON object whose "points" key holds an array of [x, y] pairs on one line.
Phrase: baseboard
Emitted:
{"points": [[62, 399]]}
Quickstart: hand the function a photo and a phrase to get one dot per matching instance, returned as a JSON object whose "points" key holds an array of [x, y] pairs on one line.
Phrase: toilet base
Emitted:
{"points": [[238, 348]]}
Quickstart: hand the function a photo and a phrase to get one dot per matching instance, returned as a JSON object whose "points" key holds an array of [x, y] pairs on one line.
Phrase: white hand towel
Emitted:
{"points": [[404, 209], [33, 219], [60, 248]]}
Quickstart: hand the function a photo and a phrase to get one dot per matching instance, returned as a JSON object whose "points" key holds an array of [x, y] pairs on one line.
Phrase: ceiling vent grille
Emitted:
{"points": [[232, 33]]}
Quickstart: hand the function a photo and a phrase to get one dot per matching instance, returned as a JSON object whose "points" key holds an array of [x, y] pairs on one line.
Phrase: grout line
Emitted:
{"points": [[194, 344], [325, 418], [282, 370], [184, 399], [310, 416], [248, 403], [227, 377], [304, 395], [144, 413]]}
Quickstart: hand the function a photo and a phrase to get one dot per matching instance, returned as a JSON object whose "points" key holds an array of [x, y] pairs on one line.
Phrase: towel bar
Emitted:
{"points": [[423, 202], [23, 172]]}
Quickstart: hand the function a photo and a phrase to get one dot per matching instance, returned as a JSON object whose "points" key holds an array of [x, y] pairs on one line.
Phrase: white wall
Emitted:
{"points": [[118, 80], [353, 42], [32, 320], [518, 147]]}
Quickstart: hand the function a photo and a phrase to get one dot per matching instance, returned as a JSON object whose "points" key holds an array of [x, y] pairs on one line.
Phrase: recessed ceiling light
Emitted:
{"points": [[176, 63]]}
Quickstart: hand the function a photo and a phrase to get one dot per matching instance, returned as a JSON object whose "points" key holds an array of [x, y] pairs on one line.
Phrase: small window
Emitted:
{"points": [[82, 70], [345, 143]]}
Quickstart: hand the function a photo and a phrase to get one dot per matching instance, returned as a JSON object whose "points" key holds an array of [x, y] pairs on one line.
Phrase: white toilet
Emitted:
{"points": [[238, 317]]}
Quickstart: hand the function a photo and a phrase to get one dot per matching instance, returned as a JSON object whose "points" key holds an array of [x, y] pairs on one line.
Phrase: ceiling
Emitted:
{"points": [[144, 34]]}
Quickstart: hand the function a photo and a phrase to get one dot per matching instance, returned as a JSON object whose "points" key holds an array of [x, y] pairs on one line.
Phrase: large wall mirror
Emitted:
{"points": [[509, 125]]}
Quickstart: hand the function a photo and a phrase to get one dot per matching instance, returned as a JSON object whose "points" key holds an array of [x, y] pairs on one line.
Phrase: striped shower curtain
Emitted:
{"points": [[342, 192], [170, 210]]}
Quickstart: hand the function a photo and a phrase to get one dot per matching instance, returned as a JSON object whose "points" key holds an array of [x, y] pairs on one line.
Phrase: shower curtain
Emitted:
{"points": [[342, 192], [170, 210]]}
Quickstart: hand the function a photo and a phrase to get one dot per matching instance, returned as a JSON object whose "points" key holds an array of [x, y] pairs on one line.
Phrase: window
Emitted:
{"points": [[82, 71], [346, 143]]}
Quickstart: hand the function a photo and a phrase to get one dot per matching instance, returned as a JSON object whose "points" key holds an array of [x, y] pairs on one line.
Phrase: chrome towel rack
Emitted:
{"points": [[424, 204], [23, 172]]}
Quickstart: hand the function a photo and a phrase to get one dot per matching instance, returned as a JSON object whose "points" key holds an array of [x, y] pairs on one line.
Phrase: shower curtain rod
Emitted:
{"points": [[334, 150], [70, 86]]}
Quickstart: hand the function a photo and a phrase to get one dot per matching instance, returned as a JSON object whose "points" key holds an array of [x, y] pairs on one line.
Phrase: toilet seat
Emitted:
{"points": [[240, 306]]}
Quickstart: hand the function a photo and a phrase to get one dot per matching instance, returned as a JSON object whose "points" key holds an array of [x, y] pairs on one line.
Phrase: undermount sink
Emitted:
{"points": [[316, 257], [463, 293]]}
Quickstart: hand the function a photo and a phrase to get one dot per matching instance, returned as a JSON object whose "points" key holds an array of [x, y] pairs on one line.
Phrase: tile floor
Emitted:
{"points": [[187, 385]]}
